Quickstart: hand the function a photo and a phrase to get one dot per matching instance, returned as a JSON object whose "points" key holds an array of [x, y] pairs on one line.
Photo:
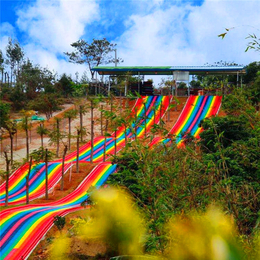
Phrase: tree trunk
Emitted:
{"points": [[46, 174], [145, 130], [125, 135], [27, 181], [27, 144], [135, 125], [105, 148], [154, 112], [168, 115], [7, 178], [58, 138], [105, 144], [16, 137], [111, 108], [120, 99], [12, 148], [115, 142], [42, 140], [62, 170], [92, 132], [161, 113], [69, 131], [81, 122], [77, 163], [30, 132], [101, 120], [11, 77]]}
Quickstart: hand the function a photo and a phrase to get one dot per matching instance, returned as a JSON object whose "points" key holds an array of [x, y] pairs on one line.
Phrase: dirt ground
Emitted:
{"points": [[34, 138], [35, 141]]}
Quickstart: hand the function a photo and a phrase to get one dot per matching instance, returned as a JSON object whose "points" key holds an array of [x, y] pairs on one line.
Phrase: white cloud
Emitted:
{"points": [[51, 26], [187, 35], [6, 31], [54, 25], [47, 59], [161, 32]]}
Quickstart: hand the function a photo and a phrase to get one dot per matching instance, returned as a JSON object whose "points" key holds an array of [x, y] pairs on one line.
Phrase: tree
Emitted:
{"points": [[93, 54], [82, 111], [11, 128], [35, 80], [26, 127], [15, 55], [62, 170], [41, 130], [59, 222], [251, 72], [5, 113], [27, 181], [77, 161], [70, 114], [46, 174], [65, 85], [46, 103], [7, 160], [2, 66], [56, 135]]}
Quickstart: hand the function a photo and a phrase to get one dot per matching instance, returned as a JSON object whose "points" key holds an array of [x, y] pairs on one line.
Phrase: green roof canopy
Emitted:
{"points": [[169, 70]]}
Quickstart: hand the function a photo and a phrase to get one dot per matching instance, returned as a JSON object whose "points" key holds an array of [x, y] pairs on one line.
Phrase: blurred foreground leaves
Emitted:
{"points": [[114, 219]]}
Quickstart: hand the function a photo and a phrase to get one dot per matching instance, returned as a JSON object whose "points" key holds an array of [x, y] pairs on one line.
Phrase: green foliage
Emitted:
{"points": [[223, 169], [1, 60], [46, 103], [17, 96], [14, 53], [65, 85], [251, 72], [35, 80], [195, 84], [254, 44], [233, 144], [59, 222], [41, 130], [39, 154], [163, 182], [79, 90], [5, 113], [93, 54], [182, 85], [71, 114]]}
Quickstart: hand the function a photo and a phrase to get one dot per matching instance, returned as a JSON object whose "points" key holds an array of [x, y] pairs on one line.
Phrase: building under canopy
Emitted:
{"points": [[179, 73]]}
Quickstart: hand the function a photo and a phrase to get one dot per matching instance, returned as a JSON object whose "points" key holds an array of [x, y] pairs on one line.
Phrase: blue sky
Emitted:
{"points": [[154, 32]]}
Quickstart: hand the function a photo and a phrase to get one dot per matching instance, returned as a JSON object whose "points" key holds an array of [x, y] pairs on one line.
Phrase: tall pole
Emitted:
{"points": [[138, 82], [144, 120], [109, 85], [189, 86], [92, 132], [115, 57], [126, 87], [77, 161], [46, 174], [172, 82]]}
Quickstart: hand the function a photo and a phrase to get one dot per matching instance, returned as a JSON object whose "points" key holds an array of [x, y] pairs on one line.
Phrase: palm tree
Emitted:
{"points": [[26, 127], [71, 114], [41, 130]]}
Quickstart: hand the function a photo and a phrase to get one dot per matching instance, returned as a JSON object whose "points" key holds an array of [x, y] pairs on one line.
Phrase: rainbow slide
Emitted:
{"points": [[149, 111], [23, 227], [195, 110]]}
